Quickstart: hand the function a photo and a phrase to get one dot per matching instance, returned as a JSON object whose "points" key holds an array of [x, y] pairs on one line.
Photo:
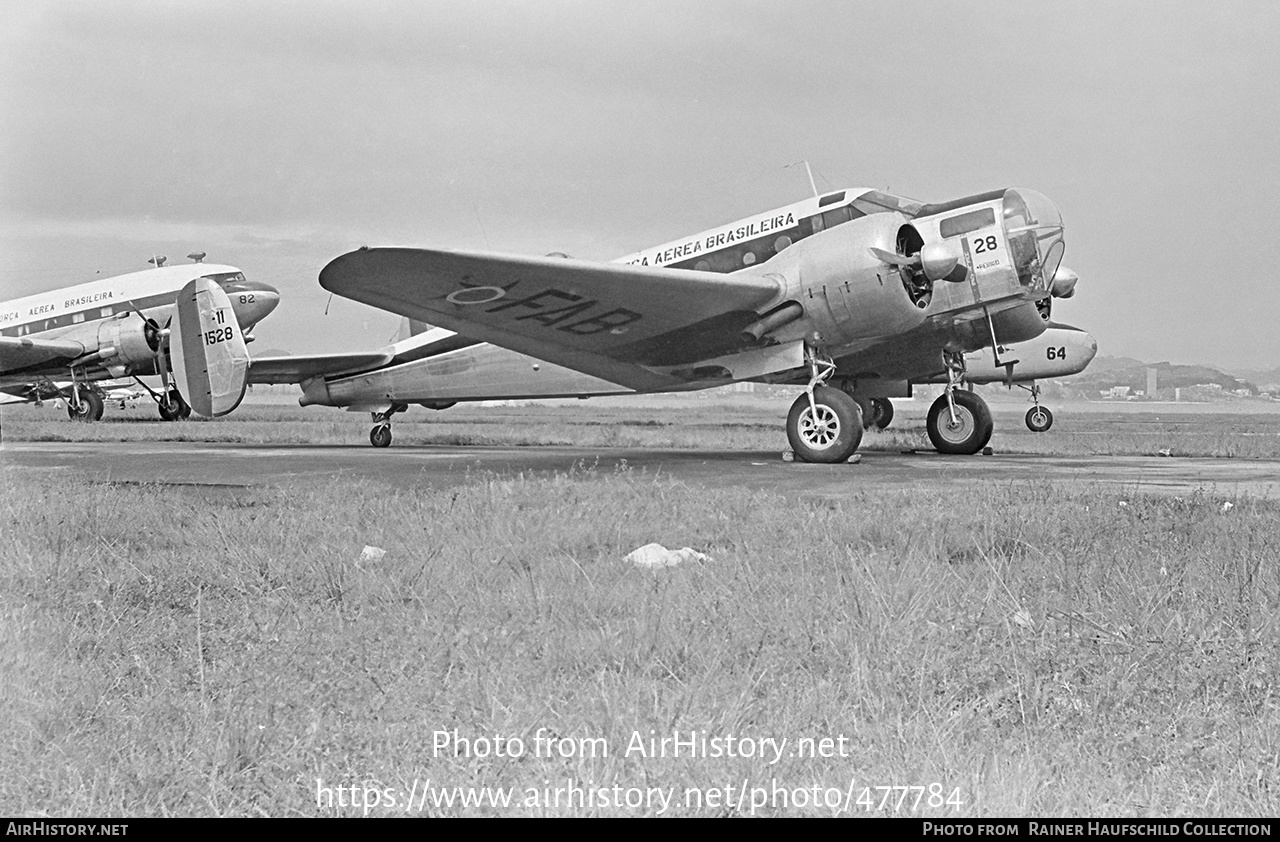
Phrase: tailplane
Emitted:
{"points": [[410, 328]]}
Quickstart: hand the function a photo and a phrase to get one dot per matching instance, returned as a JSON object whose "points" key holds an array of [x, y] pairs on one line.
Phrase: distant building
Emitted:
{"points": [[1151, 382]]}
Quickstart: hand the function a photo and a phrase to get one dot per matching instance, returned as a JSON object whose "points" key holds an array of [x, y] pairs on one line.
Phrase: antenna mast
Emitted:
{"points": [[809, 171]]}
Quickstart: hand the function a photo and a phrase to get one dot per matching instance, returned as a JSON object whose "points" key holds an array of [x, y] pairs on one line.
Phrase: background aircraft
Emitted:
{"points": [[63, 343], [854, 294]]}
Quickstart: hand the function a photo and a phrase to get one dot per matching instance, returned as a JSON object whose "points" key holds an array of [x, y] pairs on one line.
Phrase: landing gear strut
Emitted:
{"points": [[380, 435], [1039, 418], [824, 424], [959, 421]]}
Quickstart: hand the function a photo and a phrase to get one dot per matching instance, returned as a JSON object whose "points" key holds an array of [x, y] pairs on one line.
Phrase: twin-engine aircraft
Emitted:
{"points": [[190, 320], [855, 295]]}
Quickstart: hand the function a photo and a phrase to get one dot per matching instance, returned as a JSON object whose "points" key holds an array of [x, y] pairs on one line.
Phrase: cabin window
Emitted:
{"points": [[967, 222], [781, 243], [77, 318]]}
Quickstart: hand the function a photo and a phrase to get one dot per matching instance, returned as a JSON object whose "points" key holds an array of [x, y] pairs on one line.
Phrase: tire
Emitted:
{"points": [[1039, 419], [380, 436], [972, 431], [91, 407], [836, 435], [885, 414], [174, 408]]}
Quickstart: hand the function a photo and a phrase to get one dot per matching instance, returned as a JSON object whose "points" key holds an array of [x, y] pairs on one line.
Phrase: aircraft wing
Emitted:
{"points": [[631, 325], [297, 369], [19, 353]]}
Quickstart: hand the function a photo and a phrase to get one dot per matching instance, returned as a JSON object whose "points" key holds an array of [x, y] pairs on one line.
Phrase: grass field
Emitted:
{"points": [[1023, 650]]}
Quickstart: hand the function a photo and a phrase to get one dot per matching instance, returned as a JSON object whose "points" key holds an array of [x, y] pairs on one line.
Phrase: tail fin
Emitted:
{"points": [[410, 328], [210, 361]]}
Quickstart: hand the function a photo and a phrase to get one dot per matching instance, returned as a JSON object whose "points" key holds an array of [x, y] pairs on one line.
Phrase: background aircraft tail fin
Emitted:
{"points": [[210, 360]]}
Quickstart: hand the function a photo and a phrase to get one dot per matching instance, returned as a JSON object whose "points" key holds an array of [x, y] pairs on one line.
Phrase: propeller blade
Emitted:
{"points": [[895, 259]]}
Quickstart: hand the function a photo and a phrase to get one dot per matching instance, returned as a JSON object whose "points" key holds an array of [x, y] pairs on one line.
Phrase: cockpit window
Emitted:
{"points": [[226, 277], [1034, 229]]}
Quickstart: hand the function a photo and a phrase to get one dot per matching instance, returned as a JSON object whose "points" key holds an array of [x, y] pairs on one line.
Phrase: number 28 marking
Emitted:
{"points": [[983, 244]]}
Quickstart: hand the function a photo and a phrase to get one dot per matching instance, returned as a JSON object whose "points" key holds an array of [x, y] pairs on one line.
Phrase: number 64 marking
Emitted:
{"points": [[1057, 353]]}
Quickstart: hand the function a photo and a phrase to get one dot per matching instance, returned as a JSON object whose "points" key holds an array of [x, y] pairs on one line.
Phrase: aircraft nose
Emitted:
{"points": [[1093, 346], [253, 301]]}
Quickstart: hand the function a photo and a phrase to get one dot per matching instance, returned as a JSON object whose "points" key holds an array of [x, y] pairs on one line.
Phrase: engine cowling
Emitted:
{"points": [[128, 340], [848, 294]]}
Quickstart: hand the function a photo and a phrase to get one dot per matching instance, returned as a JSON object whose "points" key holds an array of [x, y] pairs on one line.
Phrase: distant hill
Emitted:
{"points": [[1105, 373], [1266, 379]]}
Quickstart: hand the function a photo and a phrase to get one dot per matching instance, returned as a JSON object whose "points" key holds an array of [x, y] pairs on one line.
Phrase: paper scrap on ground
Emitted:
{"points": [[372, 553], [656, 555]]}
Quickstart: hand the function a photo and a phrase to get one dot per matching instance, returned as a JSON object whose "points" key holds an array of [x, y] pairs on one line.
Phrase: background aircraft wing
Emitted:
{"points": [[626, 324], [20, 353], [296, 369]]}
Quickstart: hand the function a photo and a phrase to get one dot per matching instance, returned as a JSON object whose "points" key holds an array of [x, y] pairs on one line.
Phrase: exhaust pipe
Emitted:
{"points": [[784, 315]]}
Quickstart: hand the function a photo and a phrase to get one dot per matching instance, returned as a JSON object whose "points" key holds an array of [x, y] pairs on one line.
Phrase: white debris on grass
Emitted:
{"points": [[372, 553], [653, 556], [1228, 506]]}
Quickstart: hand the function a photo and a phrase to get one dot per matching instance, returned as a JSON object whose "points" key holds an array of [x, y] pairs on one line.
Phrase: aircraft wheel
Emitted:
{"points": [[1039, 419], [380, 436], [885, 414], [972, 429], [91, 407], [174, 408], [833, 435]]}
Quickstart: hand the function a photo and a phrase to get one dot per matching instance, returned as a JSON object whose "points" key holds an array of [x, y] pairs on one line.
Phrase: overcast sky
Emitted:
{"points": [[276, 136]]}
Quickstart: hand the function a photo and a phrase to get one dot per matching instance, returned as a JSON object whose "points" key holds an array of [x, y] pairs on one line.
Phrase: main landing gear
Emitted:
{"points": [[959, 422], [85, 404], [380, 435], [876, 412], [824, 424], [173, 407]]}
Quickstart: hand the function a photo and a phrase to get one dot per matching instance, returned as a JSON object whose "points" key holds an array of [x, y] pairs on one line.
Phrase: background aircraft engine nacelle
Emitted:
{"points": [[132, 339], [849, 294]]}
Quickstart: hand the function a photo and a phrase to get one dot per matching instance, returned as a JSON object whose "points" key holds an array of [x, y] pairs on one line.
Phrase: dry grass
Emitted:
{"points": [[1044, 651]]}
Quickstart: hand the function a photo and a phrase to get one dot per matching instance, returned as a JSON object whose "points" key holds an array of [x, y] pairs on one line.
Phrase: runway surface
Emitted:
{"points": [[229, 466]]}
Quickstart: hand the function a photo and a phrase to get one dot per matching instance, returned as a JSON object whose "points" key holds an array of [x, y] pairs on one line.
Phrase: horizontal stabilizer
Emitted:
{"points": [[210, 360], [296, 369]]}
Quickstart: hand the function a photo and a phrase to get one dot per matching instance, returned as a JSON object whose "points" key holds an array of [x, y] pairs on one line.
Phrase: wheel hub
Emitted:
{"points": [[963, 427], [821, 432]]}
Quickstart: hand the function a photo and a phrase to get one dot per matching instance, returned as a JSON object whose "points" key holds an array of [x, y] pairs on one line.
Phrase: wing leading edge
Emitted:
{"points": [[626, 324]]}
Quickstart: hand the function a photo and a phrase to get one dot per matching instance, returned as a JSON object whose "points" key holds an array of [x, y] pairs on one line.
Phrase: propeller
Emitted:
{"points": [[894, 259], [936, 260]]}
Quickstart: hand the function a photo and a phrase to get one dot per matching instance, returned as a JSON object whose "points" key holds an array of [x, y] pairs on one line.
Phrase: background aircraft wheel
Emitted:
{"points": [[885, 413], [174, 408], [91, 407], [380, 436], [833, 435], [973, 425], [1039, 419]]}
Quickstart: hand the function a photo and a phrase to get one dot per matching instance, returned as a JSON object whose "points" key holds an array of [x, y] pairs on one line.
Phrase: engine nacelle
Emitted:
{"points": [[128, 340], [848, 294]]}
